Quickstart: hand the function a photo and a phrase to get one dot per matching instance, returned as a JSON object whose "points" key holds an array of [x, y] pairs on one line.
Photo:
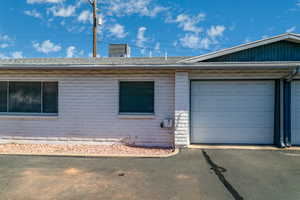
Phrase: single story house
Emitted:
{"points": [[248, 94]]}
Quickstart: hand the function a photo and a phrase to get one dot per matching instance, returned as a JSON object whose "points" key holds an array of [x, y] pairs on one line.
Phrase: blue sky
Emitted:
{"points": [[62, 28]]}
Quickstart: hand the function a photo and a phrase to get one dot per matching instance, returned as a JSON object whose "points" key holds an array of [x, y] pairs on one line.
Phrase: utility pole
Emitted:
{"points": [[94, 7]]}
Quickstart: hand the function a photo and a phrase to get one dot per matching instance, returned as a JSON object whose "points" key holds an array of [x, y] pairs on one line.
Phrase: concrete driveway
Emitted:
{"points": [[192, 174]]}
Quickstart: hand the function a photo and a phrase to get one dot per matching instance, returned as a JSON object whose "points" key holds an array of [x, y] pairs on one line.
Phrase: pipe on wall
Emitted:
{"points": [[278, 115], [284, 133]]}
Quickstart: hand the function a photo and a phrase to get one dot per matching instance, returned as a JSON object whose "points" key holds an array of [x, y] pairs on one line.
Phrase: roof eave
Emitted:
{"points": [[203, 66]]}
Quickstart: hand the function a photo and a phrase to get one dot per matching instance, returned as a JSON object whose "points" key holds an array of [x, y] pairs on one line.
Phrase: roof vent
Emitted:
{"points": [[119, 50]]}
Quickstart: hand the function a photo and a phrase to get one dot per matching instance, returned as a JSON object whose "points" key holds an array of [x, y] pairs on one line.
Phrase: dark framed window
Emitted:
{"points": [[28, 97], [136, 97], [3, 96]]}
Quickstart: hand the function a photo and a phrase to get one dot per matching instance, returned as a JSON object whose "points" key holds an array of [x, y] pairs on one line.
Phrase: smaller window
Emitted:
{"points": [[136, 97]]}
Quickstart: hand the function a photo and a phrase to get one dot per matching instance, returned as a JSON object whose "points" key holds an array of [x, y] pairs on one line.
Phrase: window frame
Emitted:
{"points": [[135, 114], [7, 113]]}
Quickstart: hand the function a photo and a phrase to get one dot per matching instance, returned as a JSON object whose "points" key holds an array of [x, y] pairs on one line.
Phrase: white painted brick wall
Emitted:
{"points": [[182, 106], [88, 108]]}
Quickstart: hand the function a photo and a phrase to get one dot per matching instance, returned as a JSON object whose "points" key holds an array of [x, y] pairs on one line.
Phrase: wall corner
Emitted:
{"points": [[182, 110]]}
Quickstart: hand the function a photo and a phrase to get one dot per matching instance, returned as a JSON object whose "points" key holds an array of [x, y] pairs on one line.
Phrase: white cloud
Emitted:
{"points": [[80, 2], [2, 56], [46, 47], [247, 40], [97, 56], [292, 29], [33, 13], [70, 51], [157, 49], [205, 43], [194, 41], [5, 41], [157, 46], [63, 23], [5, 45], [188, 23], [155, 11], [190, 41], [130, 7], [117, 30], [61, 11], [44, 1], [205, 40], [85, 16], [140, 38], [175, 43], [4, 37], [215, 31], [17, 54]]}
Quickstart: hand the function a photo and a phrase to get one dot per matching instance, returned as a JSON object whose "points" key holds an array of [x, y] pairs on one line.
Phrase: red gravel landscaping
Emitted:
{"points": [[116, 149]]}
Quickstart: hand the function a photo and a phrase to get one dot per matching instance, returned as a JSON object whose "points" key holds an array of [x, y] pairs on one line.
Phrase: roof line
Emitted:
{"points": [[241, 47], [203, 65]]}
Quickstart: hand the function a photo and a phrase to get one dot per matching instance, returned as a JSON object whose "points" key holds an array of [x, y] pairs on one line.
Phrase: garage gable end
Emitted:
{"points": [[277, 51], [285, 47]]}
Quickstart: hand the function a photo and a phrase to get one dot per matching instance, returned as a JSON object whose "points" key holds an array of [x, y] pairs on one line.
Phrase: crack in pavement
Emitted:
{"points": [[218, 170]]}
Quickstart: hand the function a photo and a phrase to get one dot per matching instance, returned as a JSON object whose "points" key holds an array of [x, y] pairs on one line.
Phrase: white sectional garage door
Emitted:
{"points": [[295, 112], [232, 112]]}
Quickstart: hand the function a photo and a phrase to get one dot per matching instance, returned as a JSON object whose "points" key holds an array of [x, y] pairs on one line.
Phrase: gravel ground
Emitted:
{"points": [[81, 149]]}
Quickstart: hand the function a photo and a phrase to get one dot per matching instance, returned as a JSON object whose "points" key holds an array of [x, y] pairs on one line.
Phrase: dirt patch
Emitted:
{"points": [[183, 177], [72, 171], [81, 149]]}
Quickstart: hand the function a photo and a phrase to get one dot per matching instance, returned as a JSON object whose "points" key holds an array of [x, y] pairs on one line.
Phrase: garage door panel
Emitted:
{"points": [[232, 112], [255, 103], [219, 135], [297, 116], [296, 136], [232, 119], [295, 110], [237, 88]]}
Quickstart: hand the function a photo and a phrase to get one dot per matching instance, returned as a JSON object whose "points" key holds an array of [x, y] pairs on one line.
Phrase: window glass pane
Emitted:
{"points": [[3, 96], [136, 97], [25, 97], [50, 94]]}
